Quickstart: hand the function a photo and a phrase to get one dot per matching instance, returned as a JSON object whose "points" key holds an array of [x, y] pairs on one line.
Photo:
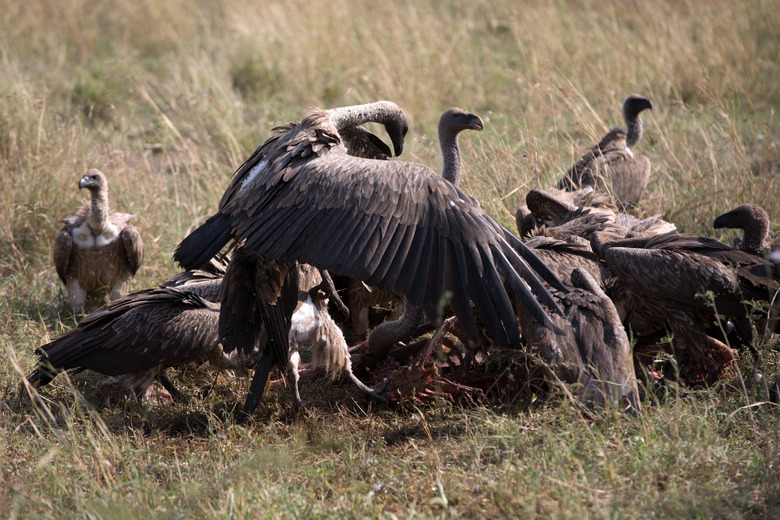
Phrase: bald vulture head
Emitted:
{"points": [[752, 220], [386, 113], [632, 106], [452, 122]]}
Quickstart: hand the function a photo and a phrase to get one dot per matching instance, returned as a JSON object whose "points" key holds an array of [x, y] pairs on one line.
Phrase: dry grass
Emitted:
{"points": [[168, 98]]}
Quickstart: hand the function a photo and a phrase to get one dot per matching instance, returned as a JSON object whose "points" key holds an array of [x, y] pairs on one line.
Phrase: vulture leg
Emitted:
{"points": [[168, 385], [76, 296], [295, 360], [257, 387]]}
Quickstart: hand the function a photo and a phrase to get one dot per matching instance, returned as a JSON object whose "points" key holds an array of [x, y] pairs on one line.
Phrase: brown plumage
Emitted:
{"points": [[610, 165], [140, 335], [563, 256], [97, 248], [592, 349], [581, 213], [451, 123], [393, 224], [660, 282]]}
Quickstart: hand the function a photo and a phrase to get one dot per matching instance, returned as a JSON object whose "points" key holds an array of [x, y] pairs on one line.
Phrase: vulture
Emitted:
{"points": [[754, 223], [97, 248], [593, 349], [300, 197], [142, 334], [610, 165], [553, 208], [451, 123], [313, 327], [660, 282]]}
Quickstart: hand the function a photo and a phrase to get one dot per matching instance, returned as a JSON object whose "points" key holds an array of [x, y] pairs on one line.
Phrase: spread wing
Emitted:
{"points": [[395, 225]]}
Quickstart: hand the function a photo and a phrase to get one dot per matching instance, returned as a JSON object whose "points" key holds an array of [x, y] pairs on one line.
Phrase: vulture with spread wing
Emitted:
{"points": [[396, 225]]}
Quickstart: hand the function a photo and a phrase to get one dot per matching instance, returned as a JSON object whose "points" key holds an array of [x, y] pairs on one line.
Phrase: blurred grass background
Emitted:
{"points": [[168, 98]]}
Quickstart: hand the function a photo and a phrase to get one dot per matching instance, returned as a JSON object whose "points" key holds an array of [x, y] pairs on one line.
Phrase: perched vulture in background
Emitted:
{"points": [[97, 248], [392, 224], [611, 165]]}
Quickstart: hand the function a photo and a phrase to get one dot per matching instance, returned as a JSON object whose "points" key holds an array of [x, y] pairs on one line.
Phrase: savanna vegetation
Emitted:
{"points": [[168, 98]]}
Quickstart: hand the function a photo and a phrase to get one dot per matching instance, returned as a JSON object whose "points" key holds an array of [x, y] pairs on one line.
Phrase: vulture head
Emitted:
{"points": [[750, 218], [743, 217], [456, 119], [397, 129], [95, 181], [634, 104]]}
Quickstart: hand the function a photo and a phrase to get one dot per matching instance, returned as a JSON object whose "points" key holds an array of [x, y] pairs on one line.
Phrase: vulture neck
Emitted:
{"points": [[633, 127], [755, 235], [451, 157], [356, 115], [98, 214]]}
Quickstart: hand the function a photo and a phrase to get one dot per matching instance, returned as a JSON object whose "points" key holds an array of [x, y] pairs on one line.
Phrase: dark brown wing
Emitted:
{"points": [[628, 179], [563, 257], [133, 246], [388, 223], [62, 247], [160, 327]]}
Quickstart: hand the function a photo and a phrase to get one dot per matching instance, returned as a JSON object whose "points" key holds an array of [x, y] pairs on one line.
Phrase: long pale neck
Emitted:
{"points": [[633, 128], [451, 157], [99, 214], [379, 111]]}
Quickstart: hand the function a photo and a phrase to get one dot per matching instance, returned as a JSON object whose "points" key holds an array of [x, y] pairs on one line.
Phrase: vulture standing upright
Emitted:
{"points": [[396, 225], [610, 164], [97, 248]]}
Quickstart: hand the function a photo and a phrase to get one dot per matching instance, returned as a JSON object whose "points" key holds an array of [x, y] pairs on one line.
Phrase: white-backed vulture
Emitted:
{"points": [[661, 282], [392, 224], [138, 336], [313, 328], [611, 165], [592, 349], [97, 248], [451, 123]]}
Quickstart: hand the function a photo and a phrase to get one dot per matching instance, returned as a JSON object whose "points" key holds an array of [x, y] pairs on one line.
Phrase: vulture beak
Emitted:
{"points": [[397, 134], [84, 182], [722, 221], [476, 122]]}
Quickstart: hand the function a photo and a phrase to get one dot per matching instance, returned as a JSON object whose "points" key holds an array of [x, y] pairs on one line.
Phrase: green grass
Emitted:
{"points": [[168, 98]]}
